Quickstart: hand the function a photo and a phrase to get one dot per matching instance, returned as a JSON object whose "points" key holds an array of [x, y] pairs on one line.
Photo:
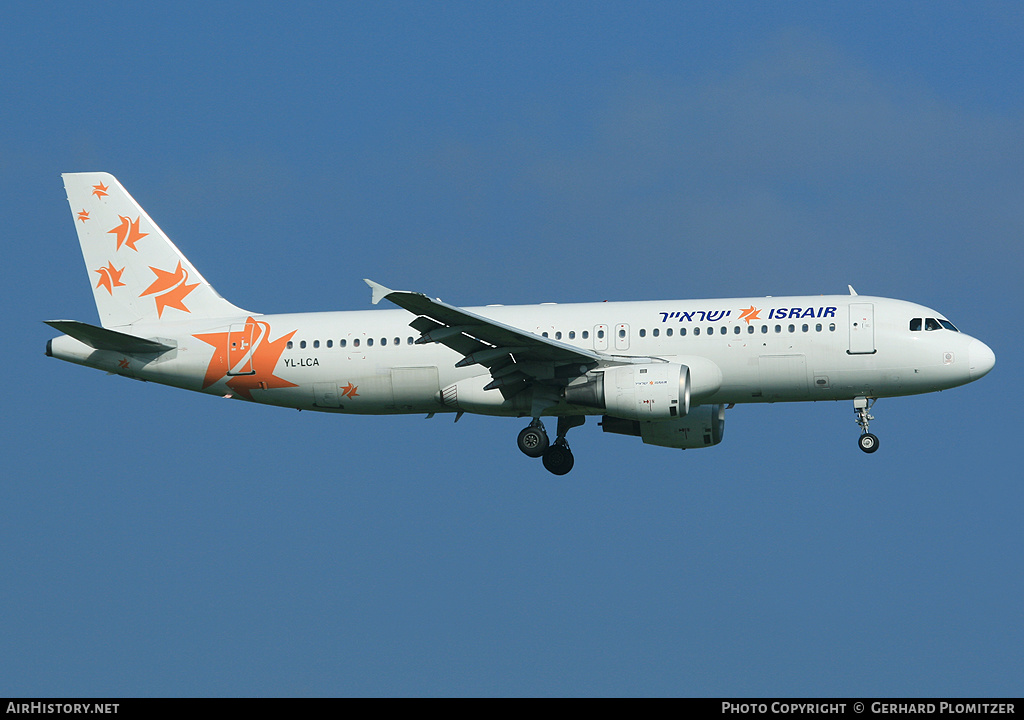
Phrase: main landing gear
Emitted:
{"points": [[557, 457], [861, 405], [533, 440]]}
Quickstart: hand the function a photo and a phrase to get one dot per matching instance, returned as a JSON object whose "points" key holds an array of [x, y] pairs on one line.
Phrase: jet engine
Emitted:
{"points": [[703, 426], [651, 391]]}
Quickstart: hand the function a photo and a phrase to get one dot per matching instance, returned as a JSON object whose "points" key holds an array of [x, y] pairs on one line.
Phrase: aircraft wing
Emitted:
{"points": [[511, 354]]}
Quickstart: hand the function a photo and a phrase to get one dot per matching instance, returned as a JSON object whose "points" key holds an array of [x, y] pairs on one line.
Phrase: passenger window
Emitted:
{"points": [[792, 328], [544, 334], [558, 335], [330, 343], [736, 331], [290, 345], [806, 328], [764, 329], [600, 334], [369, 342], [622, 333], [750, 329], [302, 344], [355, 343], [778, 328], [817, 328], [696, 331], [915, 325], [656, 332], [723, 330], [682, 331], [316, 343], [831, 327], [342, 343], [643, 333], [383, 341], [585, 334], [572, 334], [409, 341]]}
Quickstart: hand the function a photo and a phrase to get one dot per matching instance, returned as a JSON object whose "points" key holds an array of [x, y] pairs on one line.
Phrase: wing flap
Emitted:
{"points": [[462, 344]]}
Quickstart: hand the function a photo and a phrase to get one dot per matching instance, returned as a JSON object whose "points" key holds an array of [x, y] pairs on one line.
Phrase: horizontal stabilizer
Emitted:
{"points": [[104, 339]]}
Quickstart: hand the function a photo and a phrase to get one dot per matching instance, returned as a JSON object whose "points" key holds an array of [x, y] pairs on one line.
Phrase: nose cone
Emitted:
{"points": [[980, 358]]}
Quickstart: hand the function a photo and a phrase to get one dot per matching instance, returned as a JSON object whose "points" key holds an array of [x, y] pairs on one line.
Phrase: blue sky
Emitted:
{"points": [[157, 542]]}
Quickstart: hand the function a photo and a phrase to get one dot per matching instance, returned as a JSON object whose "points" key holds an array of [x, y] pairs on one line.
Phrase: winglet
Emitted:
{"points": [[852, 291], [379, 291]]}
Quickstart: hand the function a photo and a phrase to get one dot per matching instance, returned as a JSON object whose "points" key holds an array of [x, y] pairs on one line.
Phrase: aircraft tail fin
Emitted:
{"points": [[137, 273]]}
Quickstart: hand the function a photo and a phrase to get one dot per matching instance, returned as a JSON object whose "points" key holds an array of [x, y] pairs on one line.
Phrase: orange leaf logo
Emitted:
{"points": [[750, 313], [170, 289], [259, 360], [110, 277], [128, 232]]}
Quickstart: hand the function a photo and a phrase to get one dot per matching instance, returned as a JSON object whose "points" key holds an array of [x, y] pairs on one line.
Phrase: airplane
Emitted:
{"points": [[665, 371]]}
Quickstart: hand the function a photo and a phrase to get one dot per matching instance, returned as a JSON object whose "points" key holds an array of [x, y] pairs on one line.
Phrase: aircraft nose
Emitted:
{"points": [[980, 358]]}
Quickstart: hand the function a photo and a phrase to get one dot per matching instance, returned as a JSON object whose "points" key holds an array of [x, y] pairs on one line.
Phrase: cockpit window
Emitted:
{"points": [[948, 325], [915, 324], [931, 324]]}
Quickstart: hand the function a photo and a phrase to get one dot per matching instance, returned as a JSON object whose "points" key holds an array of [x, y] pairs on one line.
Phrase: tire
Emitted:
{"points": [[558, 459], [868, 442], [533, 441]]}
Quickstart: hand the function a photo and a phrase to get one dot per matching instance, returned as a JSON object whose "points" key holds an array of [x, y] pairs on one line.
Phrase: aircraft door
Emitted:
{"points": [[622, 336], [600, 337], [242, 340], [862, 329]]}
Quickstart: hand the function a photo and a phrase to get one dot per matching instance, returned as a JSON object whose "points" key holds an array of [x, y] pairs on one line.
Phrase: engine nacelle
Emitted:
{"points": [[652, 391], [703, 426]]}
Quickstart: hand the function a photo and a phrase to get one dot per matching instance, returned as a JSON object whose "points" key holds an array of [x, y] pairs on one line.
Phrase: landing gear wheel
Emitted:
{"points": [[533, 441], [868, 443], [558, 459], [861, 405]]}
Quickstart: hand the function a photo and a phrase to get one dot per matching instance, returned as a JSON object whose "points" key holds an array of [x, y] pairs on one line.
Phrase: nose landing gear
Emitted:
{"points": [[861, 405]]}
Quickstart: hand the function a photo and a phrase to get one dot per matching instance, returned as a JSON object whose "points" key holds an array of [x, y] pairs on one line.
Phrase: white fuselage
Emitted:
{"points": [[740, 350]]}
